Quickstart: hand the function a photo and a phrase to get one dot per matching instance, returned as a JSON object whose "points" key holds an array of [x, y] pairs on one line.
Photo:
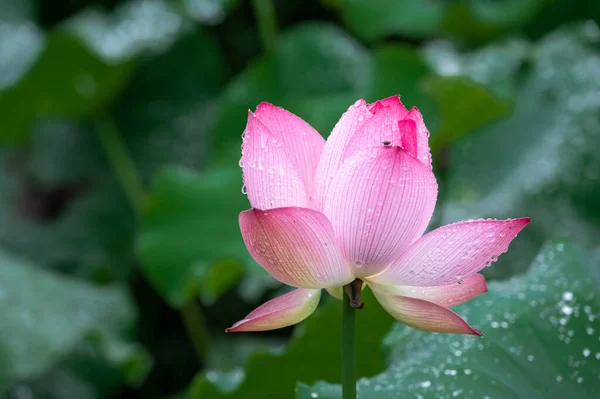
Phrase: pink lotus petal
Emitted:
{"points": [[333, 153], [423, 152], [408, 131], [394, 103], [296, 246], [443, 295], [377, 106], [302, 143], [280, 312], [424, 315], [381, 129], [270, 177], [379, 203], [452, 252]]}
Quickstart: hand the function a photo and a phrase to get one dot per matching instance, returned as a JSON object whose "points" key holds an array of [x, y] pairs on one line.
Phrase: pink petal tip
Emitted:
{"points": [[280, 312]]}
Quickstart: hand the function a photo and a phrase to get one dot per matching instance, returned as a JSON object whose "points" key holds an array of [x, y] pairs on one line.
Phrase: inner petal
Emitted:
{"points": [[380, 202]]}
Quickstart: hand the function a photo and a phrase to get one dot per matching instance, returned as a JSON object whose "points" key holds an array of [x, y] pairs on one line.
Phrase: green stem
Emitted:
{"points": [[195, 325], [121, 162], [264, 11], [131, 182], [348, 350]]}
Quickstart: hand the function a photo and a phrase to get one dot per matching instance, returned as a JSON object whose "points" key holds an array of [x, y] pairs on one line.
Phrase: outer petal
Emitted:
{"points": [[280, 312], [296, 246], [270, 178], [303, 144], [443, 295], [424, 315], [380, 202], [333, 153], [452, 252]]}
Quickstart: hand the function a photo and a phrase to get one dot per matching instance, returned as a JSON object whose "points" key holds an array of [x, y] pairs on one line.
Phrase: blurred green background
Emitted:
{"points": [[121, 262]]}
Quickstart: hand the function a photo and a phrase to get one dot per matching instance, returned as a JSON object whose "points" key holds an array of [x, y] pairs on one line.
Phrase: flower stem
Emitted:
{"points": [[267, 23], [128, 176], [120, 161], [348, 349], [195, 325]]}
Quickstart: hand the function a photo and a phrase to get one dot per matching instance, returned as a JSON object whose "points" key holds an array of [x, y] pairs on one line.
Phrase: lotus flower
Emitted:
{"points": [[326, 213]]}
